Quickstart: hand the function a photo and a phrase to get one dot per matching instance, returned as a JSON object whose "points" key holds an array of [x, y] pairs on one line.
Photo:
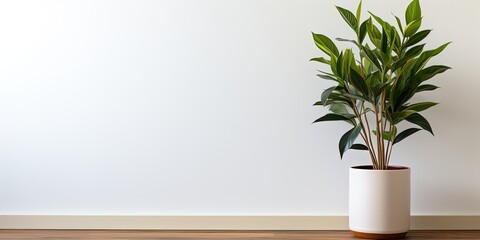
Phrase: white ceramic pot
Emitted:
{"points": [[379, 202]]}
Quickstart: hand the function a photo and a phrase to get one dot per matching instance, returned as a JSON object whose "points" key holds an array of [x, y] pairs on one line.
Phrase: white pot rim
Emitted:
{"points": [[370, 168]]}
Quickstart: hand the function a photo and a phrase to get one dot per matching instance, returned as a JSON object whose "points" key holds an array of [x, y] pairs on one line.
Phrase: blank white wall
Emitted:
{"points": [[204, 108]]}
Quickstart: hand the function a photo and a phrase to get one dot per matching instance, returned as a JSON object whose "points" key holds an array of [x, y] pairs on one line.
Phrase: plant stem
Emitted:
{"points": [[370, 146], [383, 122], [365, 134], [379, 137], [389, 147]]}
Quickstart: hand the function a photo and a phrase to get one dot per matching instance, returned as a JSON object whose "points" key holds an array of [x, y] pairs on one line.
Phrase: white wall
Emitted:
{"points": [[187, 107]]}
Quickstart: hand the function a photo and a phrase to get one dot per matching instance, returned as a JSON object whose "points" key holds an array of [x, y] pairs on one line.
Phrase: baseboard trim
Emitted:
{"points": [[220, 222]]}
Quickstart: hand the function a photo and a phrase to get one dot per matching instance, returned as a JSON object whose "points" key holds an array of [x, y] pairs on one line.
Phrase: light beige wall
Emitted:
{"points": [[203, 108]]}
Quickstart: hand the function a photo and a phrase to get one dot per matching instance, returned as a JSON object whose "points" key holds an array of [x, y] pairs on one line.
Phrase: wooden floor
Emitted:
{"points": [[225, 235]]}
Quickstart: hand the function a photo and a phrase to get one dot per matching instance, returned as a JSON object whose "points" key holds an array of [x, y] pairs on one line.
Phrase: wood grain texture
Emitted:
{"points": [[219, 222], [225, 235]]}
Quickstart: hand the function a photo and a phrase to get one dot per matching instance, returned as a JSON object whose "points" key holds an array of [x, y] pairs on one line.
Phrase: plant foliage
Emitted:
{"points": [[374, 87]]}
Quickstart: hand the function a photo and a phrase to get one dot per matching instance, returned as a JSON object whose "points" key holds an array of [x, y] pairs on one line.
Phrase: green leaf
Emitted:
{"points": [[373, 79], [348, 139], [378, 19], [439, 49], [318, 103], [386, 135], [358, 146], [327, 77], [339, 109], [381, 56], [412, 28], [359, 11], [363, 31], [404, 92], [372, 57], [426, 56], [420, 121], [335, 117], [405, 134], [431, 71], [325, 44], [355, 97], [326, 94], [413, 12], [348, 17], [417, 37], [399, 23], [327, 73], [373, 32], [384, 44], [400, 116], [411, 53], [426, 87], [418, 107], [347, 40], [339, 98], [321, 59], [388, 29], [394, 41], [414, 51], [378, 88], [340, 73], [358, 82], [348, 62]]}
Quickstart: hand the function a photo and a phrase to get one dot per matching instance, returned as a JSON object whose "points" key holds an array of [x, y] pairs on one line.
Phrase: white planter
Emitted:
{"points": [[379, 202]]}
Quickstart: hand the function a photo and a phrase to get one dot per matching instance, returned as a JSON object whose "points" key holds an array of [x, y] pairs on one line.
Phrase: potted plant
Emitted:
{"points": [[374, 85]]}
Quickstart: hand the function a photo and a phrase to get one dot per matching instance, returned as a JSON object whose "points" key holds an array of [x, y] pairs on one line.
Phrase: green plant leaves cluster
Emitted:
{"points": [[374, 86]]}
